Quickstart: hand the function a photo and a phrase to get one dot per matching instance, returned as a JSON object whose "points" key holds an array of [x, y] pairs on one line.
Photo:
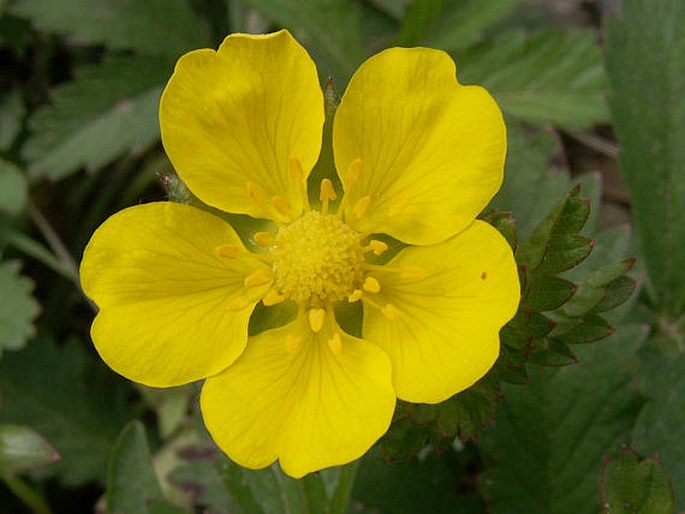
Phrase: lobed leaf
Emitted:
{"points": [[18, 308]]}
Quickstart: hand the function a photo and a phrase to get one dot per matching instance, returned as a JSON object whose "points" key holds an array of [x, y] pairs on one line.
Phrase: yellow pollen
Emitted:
{"points": [[282, 205], [258, 278], [272, 298], [361, 207], [371, 285], [255, 192], [316, 319], [295, 168], [317, 259], [226, 251], [262, 238], [378, 247], [335, 344], [354, 171], [237, 304], [355, 296], [293, 343], [327, 191], [390, 311]]}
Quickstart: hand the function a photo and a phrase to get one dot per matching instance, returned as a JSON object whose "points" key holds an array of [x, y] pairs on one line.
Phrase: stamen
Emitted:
{"points": [[293, 343], [335, 344], [273, 297], [238, 304], [262, 238], [377, 247], [326, 194], [226, 251], [412, 272], [371, 285], [295, 168], [316, 319], [354, 171], [397, 208], [361, 207], [355, 296], [390, 311], [255, 192], [282, 205], [258, 278]]}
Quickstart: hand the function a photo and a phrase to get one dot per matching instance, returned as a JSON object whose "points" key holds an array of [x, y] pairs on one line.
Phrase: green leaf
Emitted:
{"points": [[550, 76], [547, 293], [64, 394], [13, 188], [154, 27], [108, 110], [630, 486], [328, 28], [12, 112], [550, 436], [162, 507], [22, 448], [131, 481], [645, 60], [660, 428], [17, 307]]}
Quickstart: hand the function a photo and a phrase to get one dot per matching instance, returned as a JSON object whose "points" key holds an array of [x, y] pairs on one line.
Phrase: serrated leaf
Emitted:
{"points": [[108, 110], [77, 404], [145, 26], [645, 61], [404, 439], [13, 188], [131, 480], [590, 328], [547, 293], [18, 308], [550, 76], [602, 290], [22, 448], [550, 352], [630, 486], [660, 428], [328, 28], [12, 112], [550, 436]]}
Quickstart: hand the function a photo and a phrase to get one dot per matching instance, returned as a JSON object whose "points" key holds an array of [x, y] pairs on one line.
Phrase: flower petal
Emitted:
{"points": [[432, 150], [163, 292], [232, 119], [445, 334], [295, 396]]}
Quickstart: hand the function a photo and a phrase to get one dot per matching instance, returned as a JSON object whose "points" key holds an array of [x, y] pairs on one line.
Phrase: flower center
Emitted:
{"points": [[317, 259]]}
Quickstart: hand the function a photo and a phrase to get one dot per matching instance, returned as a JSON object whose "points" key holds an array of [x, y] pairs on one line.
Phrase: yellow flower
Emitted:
{"points": [[418, 156]]}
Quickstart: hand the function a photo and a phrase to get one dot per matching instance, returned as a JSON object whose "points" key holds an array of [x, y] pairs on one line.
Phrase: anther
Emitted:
{"points": [[262, 238], [238, 304], [317, 317], [293, 343], [377, 247], [327, 191], [282, 205], [354, 171], [295, 168], [272, 297], [390, 311], [371, 285], [255, 192], [258, 278], [412, 272], [361, 207], [335, 344], [226, 251], [397, 208], [355, 296]]}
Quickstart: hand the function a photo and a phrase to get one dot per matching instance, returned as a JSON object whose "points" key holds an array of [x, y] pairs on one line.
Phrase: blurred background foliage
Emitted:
{"points": [[594, 94]]}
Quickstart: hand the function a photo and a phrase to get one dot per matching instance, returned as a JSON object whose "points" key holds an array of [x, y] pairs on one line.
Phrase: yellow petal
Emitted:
{"points": [[164, 293], [443, 334], [231, 121], [320, 402], [432, 149]]}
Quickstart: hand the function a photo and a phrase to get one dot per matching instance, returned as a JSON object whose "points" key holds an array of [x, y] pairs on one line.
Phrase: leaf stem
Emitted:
{"points": [[53, 239], [341, 495], [31, 498], [34, 249]]}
